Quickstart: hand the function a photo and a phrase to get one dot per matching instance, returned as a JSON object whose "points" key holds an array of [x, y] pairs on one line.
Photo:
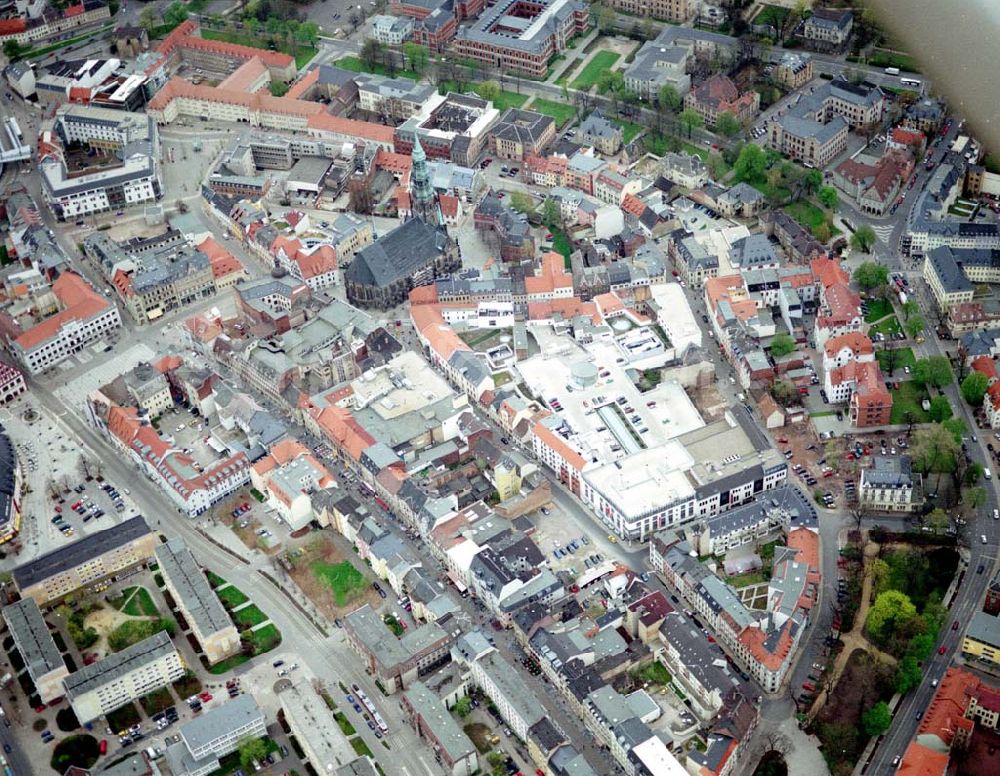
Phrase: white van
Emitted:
{"points": [[987, 473]]}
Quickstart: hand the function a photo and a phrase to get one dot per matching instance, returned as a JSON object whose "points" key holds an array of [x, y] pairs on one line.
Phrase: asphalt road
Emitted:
{"points": [[970, 594]]}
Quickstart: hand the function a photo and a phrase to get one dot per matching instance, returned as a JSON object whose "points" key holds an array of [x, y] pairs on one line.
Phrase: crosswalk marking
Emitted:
{"points": [[883, 231]]}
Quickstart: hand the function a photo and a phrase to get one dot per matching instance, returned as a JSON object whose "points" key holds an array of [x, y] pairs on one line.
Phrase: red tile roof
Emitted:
{"points": [[946, 712], [552, 276], [79, 302], [920, 760], [313, 112], [222, 261], [245, 76], [859, 344], [828, 272], [985, 365], [556, 443]]}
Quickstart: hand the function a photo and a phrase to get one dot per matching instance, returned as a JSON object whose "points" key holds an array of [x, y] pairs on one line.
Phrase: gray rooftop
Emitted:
{"points": [[220, 721], [534, 32], [985, 628], [85, 548], [704, 661], [889, 472], [199, 600], [513, 688], [595, 125], [437, 717], [33, 639], [119, 664], [946, 265], [398, 254]]}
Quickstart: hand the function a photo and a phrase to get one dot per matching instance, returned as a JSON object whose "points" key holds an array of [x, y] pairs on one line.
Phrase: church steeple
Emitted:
{"points": [[421, 190]]}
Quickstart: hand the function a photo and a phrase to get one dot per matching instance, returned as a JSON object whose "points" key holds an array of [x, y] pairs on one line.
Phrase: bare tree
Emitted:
{"points": [[773, 741]]}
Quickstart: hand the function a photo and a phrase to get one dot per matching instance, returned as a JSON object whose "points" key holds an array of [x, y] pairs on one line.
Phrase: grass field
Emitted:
{"points": [[123, 718], [562, 112], [345, 724], [355, 65], [139, 603], [630, 130], [598, 64], [906, 399], [302, 53], [810, 215], [248, 616], [214, 579], [561, 243], [904, 358], [232, 597], [134, 631], [502, 102], [883, 58], [772, 14], [361, 747], [342, 578], [877, 310], [263, 639], [187, 685], [886, 326], [654, 673], [228, 664], [156, 701], [779, 193], [509, 100]]}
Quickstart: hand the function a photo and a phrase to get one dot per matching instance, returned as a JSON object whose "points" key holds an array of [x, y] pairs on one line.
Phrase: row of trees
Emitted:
{"points": [[279, 26], [785, 182]]}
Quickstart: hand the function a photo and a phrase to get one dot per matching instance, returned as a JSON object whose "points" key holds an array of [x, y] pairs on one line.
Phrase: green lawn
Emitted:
{"points": [[747, 579], [361, 747], [877, 310], [302, 53], [232, 597], [134, 631], [248, 616], [504, 101], [156, 701], [509, 100], [691, 148], [883, 58], [654, 673], [904, 358], [780, 193], [187, 685], [140, 603], [263, 639], [123, 718], [599, 63], [214, 579], [228, 664], [887, 326], [810, 215], [345, 581], [772, 14], [345, 724], [631, 130], [562, 112], [906, 399], [355, 65], [562, 244]]}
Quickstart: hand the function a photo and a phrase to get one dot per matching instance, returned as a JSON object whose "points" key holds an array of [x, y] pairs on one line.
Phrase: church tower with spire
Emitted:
{"points": [[424, 201]]}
